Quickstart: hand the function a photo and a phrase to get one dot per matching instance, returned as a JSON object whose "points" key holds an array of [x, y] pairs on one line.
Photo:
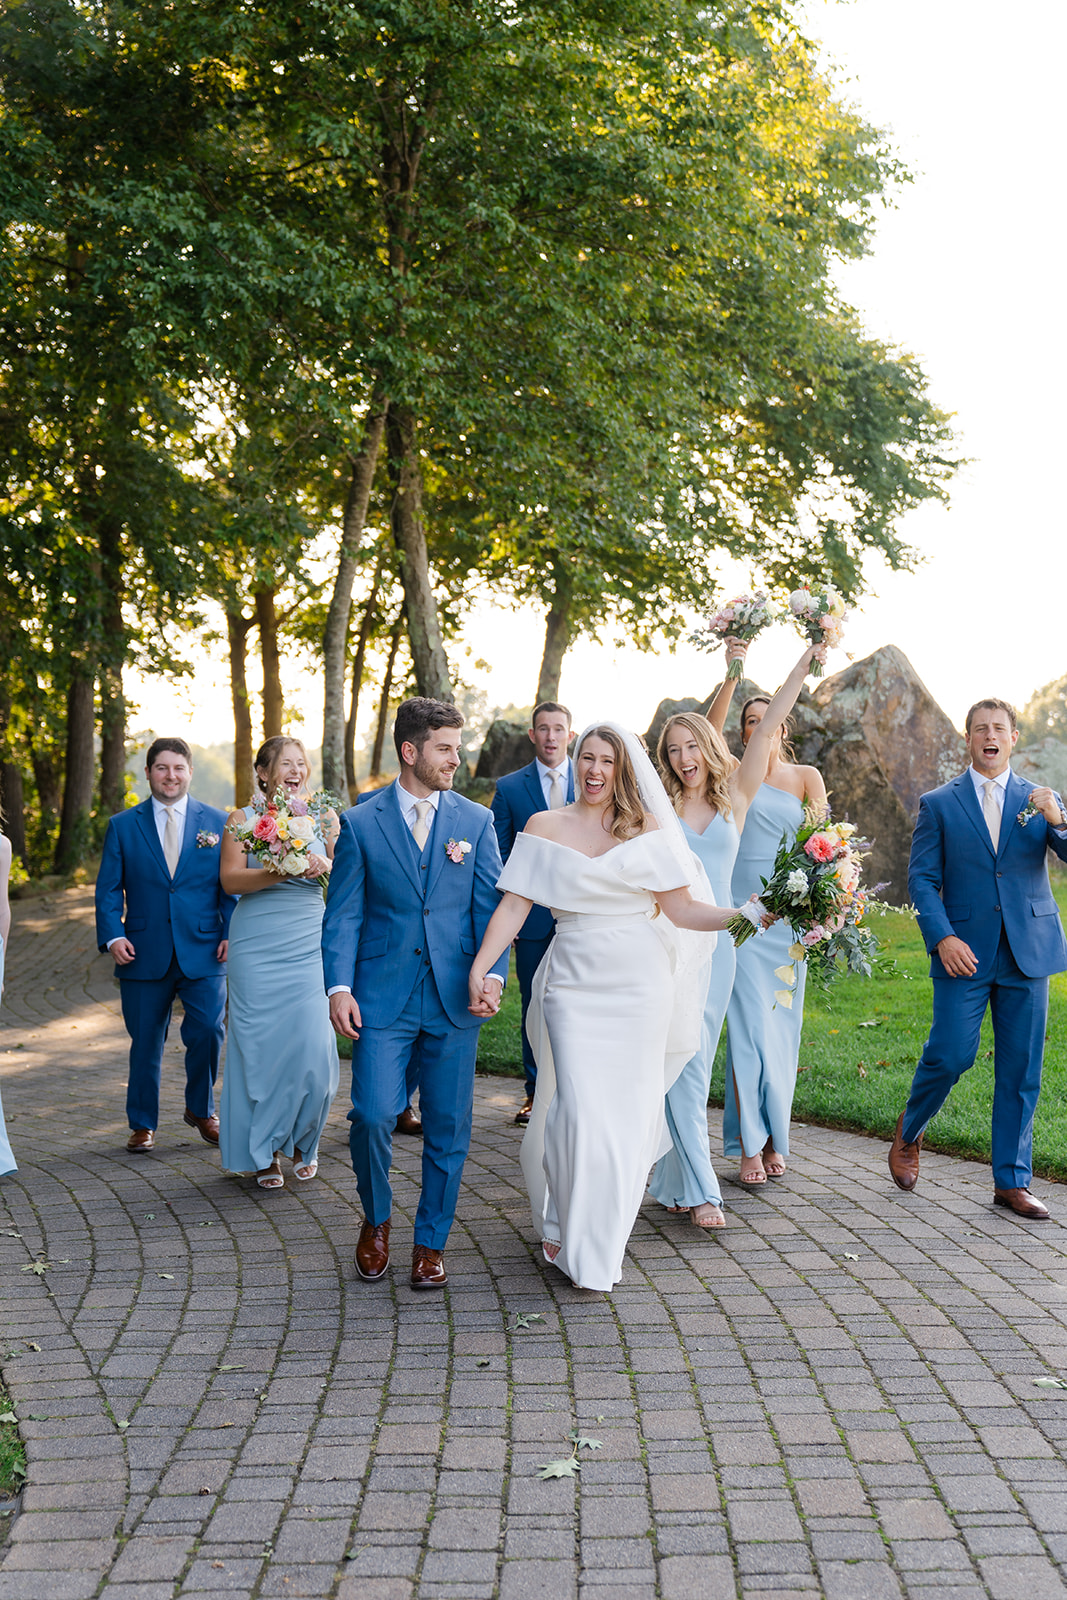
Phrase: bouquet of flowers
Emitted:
{"points": [[820, 615], [278, 834], [744, 617], [815, 887]]}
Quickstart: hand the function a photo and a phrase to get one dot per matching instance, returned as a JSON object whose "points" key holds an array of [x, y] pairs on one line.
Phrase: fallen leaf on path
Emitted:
{"points": [[482, 1361], [123, 1424], [31, 1346], [848, 1256], [39, 1268], [164, 1275], [1050, 1383], [8, 1416], [581, 1443], [523, 1319], [231, 1366], [568, 1468]]}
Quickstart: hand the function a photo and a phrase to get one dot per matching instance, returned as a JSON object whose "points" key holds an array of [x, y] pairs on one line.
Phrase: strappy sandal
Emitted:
{"points": [[773, 1163], [271, 1177], [304, 1171], [714, 1220], [754, 1175]]}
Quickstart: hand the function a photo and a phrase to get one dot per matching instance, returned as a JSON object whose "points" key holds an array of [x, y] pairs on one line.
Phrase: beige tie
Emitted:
{"points": [[423, 819], [172, 845], [991, 812], [556, 796]]}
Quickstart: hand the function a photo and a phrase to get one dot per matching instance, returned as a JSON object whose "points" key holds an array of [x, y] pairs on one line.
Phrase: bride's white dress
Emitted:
{"points": [[599, 1023]]}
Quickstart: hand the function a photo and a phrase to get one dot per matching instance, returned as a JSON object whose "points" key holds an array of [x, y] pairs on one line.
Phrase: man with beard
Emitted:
{"points": [[412, 889]]}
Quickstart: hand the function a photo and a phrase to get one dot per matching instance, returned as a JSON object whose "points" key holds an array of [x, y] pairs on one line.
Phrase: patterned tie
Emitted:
{"points": [[423, 818], [991, 812], [172, 845], [556, 796]]}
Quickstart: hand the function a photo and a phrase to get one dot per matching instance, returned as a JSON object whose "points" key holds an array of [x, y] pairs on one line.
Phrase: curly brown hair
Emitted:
{"points": [[716, 753], [629, 817]]}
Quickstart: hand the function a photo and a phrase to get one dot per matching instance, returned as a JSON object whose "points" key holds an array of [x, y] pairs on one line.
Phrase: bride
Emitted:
{"points": [[617, 1001]]}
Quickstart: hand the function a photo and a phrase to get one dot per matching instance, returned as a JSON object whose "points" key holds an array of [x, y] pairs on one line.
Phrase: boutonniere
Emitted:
{"points": [[206, 841], [456, 849], [1028, 811]]}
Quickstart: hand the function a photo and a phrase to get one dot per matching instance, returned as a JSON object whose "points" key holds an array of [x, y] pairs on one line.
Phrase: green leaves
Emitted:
{"points": [[570, 1466]]}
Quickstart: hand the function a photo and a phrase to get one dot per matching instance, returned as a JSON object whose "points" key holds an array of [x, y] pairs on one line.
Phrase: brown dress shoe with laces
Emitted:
{"points": [[1022, 1202], [904, 1158], [140, 1140], [207, 1127], [372, 1251], [408, 1122], [428, 1268]]}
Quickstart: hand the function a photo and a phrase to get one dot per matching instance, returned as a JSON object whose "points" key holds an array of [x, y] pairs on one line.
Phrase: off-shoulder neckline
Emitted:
{"points": [[543, 839]]}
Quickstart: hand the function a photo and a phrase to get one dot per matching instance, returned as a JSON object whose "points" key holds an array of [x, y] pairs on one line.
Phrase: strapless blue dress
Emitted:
{"points": [[281, 1071], [762, 1039], [685, 1175]]}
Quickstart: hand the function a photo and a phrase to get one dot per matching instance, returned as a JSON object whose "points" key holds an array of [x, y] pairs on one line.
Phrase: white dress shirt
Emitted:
{"points": [[159, 812], [409, 801], [545, 775]]}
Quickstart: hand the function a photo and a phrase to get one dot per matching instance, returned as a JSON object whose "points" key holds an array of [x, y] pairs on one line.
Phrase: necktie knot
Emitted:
{"points": [[555, 793]]}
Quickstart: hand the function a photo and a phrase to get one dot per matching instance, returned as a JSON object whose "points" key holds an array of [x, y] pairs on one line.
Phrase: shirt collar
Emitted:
{"points": [[547, 772], [409, 801], [979, 782], [159, 807]]}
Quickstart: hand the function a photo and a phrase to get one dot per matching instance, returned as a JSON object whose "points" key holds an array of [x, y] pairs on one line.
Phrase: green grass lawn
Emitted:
{"points": [[859, 1049]]}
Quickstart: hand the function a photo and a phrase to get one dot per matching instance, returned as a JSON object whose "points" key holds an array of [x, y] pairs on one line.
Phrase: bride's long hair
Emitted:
{"points": [[717, 757], [628, 819]]}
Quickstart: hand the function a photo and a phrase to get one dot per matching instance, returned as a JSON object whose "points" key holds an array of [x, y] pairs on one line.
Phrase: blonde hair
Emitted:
{"points": [[268, 760], [629, 814], [716, 754]]}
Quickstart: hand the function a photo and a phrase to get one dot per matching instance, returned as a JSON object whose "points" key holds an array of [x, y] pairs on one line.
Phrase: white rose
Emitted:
{"points": [[293, 864], [799, 601], [302, 828]]}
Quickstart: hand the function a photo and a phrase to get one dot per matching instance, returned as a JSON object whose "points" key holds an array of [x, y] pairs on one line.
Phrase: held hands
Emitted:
{"points": [[484, 994], [345, 1016], [1047, 803], [957, 958]]}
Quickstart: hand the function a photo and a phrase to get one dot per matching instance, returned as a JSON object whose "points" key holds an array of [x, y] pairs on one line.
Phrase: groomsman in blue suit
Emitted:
{"points": [[544, 785], [411, 892], [980, 887], [162, 860]]}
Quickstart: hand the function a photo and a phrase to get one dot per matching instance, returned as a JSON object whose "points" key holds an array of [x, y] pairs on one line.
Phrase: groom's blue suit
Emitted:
{"points": [[176, 926], [1000, 903], [400, 930]]}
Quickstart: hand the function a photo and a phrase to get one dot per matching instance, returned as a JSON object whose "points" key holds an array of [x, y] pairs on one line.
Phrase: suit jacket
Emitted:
{"points": [[959, 884], [517, 797], [391, 911], [186, 916]]}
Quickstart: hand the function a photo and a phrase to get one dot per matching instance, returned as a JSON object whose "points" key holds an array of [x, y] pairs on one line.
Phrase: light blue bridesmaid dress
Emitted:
{"points": [[281, 1071], [7, 1160], [762, 1039], [685, 1175]]}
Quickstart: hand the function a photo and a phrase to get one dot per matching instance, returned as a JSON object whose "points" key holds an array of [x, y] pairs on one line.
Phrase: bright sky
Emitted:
{"points": [[966, 273]]}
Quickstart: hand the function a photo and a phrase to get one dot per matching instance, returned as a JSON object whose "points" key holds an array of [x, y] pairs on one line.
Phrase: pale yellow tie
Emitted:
{"points": [[172, 845], [423, 819], [556, 797], [991, 812]]}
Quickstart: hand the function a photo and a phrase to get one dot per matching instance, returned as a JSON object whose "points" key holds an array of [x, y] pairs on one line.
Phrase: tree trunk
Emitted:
{"points": [[424, 626], [267, 622], [47, 782], [78, 771], [237, 628], [12, 807], [335, 635], [370, 612], [557, 637], [109, 674], [383, 704]]}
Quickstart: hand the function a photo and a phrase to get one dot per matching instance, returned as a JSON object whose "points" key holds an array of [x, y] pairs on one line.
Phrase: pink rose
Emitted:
{"points": [[265, 827], [820, 847], [813, 936], [298, 807]]}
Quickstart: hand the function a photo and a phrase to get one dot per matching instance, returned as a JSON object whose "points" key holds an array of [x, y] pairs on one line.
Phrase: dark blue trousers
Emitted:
{"points": [[425, 1036], [1019, 1007], [146, 1009], [529, 953]]}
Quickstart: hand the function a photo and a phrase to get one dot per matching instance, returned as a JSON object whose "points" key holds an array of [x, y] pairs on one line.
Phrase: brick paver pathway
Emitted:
{"points": [[833, 1397]]}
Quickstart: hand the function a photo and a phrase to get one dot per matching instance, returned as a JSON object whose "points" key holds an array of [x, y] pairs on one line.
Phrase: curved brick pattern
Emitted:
{"points": [[217, 1407]]}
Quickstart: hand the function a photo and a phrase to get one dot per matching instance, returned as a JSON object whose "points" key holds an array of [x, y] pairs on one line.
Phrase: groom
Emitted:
{"points": [[980, 888], [411, 892]]}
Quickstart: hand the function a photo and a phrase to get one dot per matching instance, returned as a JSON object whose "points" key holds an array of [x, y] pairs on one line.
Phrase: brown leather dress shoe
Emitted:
{"points": [[1022, 1202], [141, 1139], [904, 1158], [522, 1115], [408, 1122], [372, 1251], [428, 1268], [207, 1127]]}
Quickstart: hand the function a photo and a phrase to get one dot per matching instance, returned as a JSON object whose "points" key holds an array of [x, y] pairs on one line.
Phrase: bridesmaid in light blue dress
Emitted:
{"points": [[762, 1037], [712, 795], [7, 1160], [281, 1071]]}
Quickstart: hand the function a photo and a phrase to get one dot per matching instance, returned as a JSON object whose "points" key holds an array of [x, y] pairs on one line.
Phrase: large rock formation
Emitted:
{"points": [[880, 740], [506, 748]]}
